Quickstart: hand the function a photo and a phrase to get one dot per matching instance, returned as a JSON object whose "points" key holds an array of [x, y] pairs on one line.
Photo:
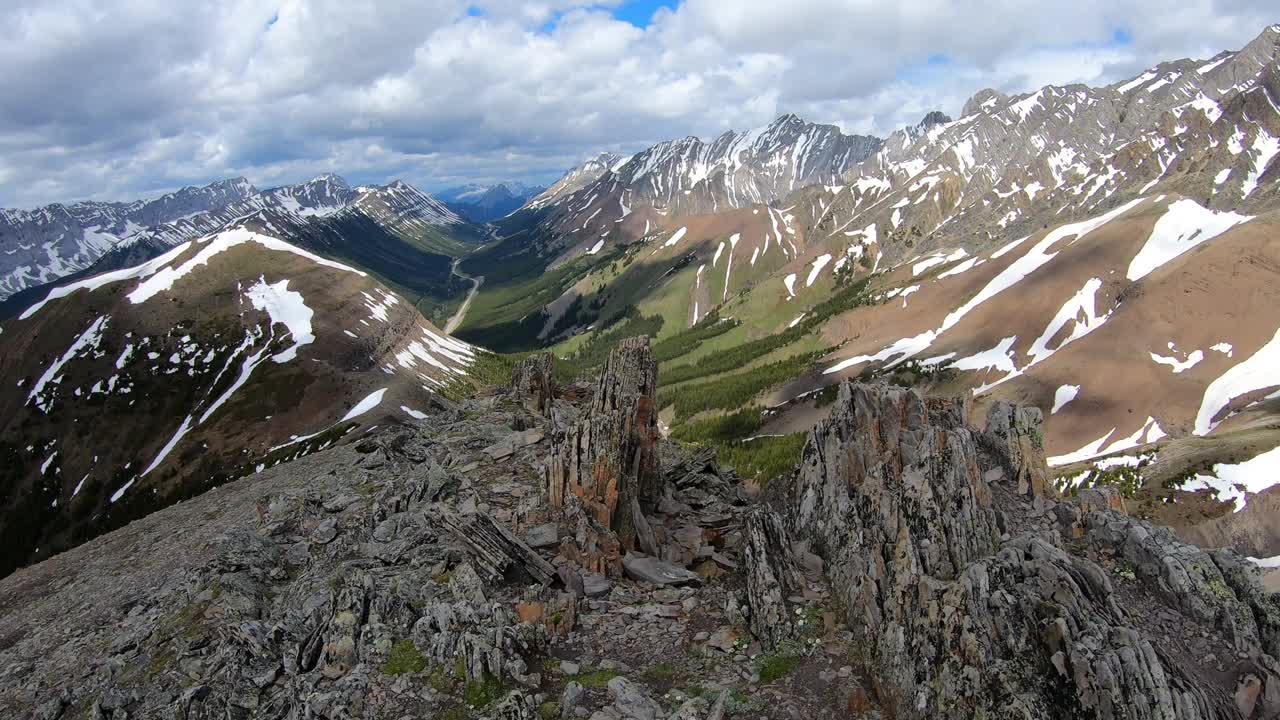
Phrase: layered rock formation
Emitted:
{"points": [[965, 600], [608, 461], [533, 381]]}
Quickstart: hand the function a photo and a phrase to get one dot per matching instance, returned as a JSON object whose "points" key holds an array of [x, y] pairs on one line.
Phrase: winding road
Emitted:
{"points": [[458, 316]]}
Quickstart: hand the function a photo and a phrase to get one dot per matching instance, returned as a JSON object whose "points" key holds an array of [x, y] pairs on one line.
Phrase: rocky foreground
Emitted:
{"points": [[543, 553]]}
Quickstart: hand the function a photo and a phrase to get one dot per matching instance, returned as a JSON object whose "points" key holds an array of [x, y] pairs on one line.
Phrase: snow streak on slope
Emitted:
{"points": [[1183, 226], [159, 274], [1035, 258], [165, 277], [1233, 482], [89, 339], [368, 403], [1256, 373]]}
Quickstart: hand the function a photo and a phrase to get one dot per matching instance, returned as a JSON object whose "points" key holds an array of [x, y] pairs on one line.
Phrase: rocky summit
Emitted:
{"points": [[541, 551]]}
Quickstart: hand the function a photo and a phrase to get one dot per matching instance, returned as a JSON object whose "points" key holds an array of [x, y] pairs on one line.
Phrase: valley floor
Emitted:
{"points": [[461, 314]]}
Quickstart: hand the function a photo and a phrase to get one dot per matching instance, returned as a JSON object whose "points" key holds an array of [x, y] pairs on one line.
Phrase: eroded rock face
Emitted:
{"points": [[610, 456], [955, 619]]}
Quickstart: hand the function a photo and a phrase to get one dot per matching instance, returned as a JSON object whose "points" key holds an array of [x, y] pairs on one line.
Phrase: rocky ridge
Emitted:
{"points": [[135, 389], [1205, 129], [911, 566], [692, 176], [972, 593], [57, 241]]}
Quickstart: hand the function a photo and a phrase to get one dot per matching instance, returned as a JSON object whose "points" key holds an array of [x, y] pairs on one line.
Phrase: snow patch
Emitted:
{"points": [[286, 307], [1233, 483], [1142, 79], [370, 402], [1179, 366], [819, 263], [1148, 433], [1266, 147], [1183, 226], [413, 413], [676, 237], [1062, 396], [1258, 372], [996, 358]]}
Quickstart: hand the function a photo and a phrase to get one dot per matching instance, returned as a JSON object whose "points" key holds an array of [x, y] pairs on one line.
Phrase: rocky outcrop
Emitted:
{"points": [[772, 575], [483, 640], [533, 382], [1014, 439], [405, 573], [610, 457], [497, 549], [956, 619]]}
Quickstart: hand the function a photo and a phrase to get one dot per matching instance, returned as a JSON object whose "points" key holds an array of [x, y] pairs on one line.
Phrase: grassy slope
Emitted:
{"points": [[706, 372]]}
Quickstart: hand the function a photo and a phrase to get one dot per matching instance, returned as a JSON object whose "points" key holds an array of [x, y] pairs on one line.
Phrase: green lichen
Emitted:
{"points": [[598, 678], [1219, 588], [775, 667], [404, 658], [481, 692]]}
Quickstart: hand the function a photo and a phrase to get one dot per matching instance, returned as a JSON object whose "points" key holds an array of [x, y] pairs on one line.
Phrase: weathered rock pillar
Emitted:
{"points": [[1015, 439], [533, 382], [610, 457]]}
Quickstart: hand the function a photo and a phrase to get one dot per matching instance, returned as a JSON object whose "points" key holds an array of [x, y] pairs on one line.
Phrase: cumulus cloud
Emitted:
{"points": [[120, 98]]}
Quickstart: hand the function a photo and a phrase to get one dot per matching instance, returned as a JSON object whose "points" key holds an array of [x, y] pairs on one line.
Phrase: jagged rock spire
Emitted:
{"points": [[533, 382], [610, 457]]}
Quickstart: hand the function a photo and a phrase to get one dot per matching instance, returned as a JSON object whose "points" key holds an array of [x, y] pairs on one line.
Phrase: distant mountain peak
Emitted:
{"points": [[235, 182], [480, 202], [935, 117], [691, 175], [983, 99], [788, 119], [328, 179], [931, 120]]}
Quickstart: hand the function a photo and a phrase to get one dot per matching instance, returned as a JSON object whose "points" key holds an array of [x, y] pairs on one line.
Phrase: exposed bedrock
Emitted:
{"points": [[958, 614]]}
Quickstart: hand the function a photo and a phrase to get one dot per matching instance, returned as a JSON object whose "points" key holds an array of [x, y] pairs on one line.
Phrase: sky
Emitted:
{"points": [[120, 99]]}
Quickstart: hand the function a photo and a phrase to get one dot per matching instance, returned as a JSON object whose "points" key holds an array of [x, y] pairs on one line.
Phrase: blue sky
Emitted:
{"points": [[636, 12], [640, 12], [446, 92]]}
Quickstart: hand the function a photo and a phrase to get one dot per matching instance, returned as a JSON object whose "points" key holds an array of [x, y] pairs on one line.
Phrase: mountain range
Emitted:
{"points": [[46, 244], [1098, 252], [856, 424], [482, 203]]}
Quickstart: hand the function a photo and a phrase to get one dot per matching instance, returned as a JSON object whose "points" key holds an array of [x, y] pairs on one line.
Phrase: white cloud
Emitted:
{"points": [[116, 98]]}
